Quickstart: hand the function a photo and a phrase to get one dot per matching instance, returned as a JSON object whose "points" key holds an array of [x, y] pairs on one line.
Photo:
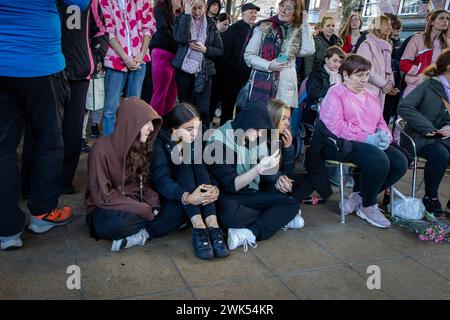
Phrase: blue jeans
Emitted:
{"points": [[114, 84]]}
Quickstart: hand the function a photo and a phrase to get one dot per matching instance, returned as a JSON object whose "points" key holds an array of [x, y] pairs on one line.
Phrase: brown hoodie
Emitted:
{"points": [[107, 175]]}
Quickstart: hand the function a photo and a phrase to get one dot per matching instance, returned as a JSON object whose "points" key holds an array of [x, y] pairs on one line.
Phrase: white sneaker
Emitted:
{"points": [[296, 223], [241, 237], [11, 242], [137, 239]]}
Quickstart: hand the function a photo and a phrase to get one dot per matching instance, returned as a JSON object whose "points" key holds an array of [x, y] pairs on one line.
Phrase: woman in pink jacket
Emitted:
{"points": [[378, 50], [352, 112], [424, 48]]}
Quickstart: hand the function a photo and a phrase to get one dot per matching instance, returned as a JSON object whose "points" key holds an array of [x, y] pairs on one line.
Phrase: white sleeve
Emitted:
{"points": [[252, 52], [308, 47]]}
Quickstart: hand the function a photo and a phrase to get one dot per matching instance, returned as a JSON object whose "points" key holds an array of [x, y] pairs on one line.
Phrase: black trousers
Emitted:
{"points": [[264, 213], [230, 92], [438, 158], [185, 85], [189, 177], [72, 128], [115, 225], [39, 102], [378, 169]]}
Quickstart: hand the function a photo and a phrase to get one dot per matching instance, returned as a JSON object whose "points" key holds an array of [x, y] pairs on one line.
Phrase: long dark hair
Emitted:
{"points": [[442, 37], [182, 112], [137, 163], [346, 29], [166, 5], [440, 67]]}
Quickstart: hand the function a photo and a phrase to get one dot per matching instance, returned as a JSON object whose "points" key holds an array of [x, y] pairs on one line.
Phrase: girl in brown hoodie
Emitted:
{"points": [[119, 200]]}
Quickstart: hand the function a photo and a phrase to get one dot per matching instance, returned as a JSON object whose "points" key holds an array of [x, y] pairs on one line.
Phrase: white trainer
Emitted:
{"points": [[296, 223], [137, 239], [241, 237], [11, 242]]}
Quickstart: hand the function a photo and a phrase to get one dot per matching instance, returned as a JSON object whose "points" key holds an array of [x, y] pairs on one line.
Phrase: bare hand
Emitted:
{"points": [[188, 6], [131, 64], [197, 46], [284, 184], [204, 194], [388, 87], [445, 131], [139, 59], [100, 67], [393, 92], [286, 136], [276, 66]]}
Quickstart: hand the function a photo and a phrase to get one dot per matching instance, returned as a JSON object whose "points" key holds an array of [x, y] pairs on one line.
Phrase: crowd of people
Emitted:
{"points": [[170, 68]]}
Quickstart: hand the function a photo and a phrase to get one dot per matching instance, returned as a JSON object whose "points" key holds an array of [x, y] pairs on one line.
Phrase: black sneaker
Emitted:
{"points": [[447, 208], [85, 147], [201, 244], [95, 131], [434, 207], [218, 244]]}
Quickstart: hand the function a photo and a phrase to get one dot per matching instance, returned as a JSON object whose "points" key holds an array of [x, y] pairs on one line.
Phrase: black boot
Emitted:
{"points": [[218, 244], [434, 207], [201, 244]]}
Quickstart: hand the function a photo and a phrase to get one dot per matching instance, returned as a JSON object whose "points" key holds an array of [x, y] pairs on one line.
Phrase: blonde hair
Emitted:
{"points": [[375, 25], [276, 109]]}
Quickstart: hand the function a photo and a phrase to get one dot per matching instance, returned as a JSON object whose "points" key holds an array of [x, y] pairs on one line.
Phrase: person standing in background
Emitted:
{"points": [[33, 88], [164, 48], [130, 25], [237, 72]]}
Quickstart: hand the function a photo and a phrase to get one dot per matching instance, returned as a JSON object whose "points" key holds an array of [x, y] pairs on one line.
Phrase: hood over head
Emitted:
{"points": [[253, 116]]}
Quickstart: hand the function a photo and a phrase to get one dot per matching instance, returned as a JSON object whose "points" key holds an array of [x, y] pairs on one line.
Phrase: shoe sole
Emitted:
{"points": [[361, 214], [12, 247], [116, 246], [39, 227]]}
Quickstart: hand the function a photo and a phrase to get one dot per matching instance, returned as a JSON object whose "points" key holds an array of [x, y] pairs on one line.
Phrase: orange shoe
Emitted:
{"points": [[47, 221]]}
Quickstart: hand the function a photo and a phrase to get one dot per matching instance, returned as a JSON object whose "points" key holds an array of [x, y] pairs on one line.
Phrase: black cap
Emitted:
{"points": [[250, 6]]}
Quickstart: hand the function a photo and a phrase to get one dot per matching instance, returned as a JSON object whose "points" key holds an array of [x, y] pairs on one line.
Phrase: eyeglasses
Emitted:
{"points": [[286, 8]]}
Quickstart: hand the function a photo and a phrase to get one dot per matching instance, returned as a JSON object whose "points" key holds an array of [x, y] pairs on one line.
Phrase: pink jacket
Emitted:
{"points": [[352, 116], [381, 72], [416, 58], [138, 17]]}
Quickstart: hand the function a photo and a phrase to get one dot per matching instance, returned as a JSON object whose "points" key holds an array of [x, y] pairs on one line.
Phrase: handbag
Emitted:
{"points": [[243, 96], [95, 99]]}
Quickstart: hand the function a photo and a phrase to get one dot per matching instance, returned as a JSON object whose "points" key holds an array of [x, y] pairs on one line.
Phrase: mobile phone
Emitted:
{"points": [[282, 57]]}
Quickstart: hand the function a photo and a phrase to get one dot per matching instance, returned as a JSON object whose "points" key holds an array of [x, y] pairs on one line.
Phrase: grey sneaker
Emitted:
{"points": [[352, 203], [137, 239], [11, 242], [374, 216]]}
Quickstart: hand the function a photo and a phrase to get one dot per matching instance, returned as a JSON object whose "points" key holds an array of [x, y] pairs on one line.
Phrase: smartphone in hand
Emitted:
{"points": [[282, 57]]}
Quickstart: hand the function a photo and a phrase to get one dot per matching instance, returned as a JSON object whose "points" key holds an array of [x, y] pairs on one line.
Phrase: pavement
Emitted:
{"points": [[325, 260]]}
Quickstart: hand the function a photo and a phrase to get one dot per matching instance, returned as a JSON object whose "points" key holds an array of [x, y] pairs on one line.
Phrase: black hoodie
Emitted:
{"points": [[254, 116]]}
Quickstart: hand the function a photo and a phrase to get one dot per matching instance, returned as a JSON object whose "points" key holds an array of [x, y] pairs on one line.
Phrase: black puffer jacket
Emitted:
{"points": [[182, 35]]}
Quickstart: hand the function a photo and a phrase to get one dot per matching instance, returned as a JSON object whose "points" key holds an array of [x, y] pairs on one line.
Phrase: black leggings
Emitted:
{"points": [[115, 225], [186, 93], [378, 169], [438, 158], [189, 177], [264, 213]]}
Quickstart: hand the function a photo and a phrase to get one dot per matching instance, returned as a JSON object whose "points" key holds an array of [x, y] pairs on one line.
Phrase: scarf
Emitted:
{"points": [[335, 77], [265, 84], [446, 86], [193, 61], [386, 50], [246, 158]]}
